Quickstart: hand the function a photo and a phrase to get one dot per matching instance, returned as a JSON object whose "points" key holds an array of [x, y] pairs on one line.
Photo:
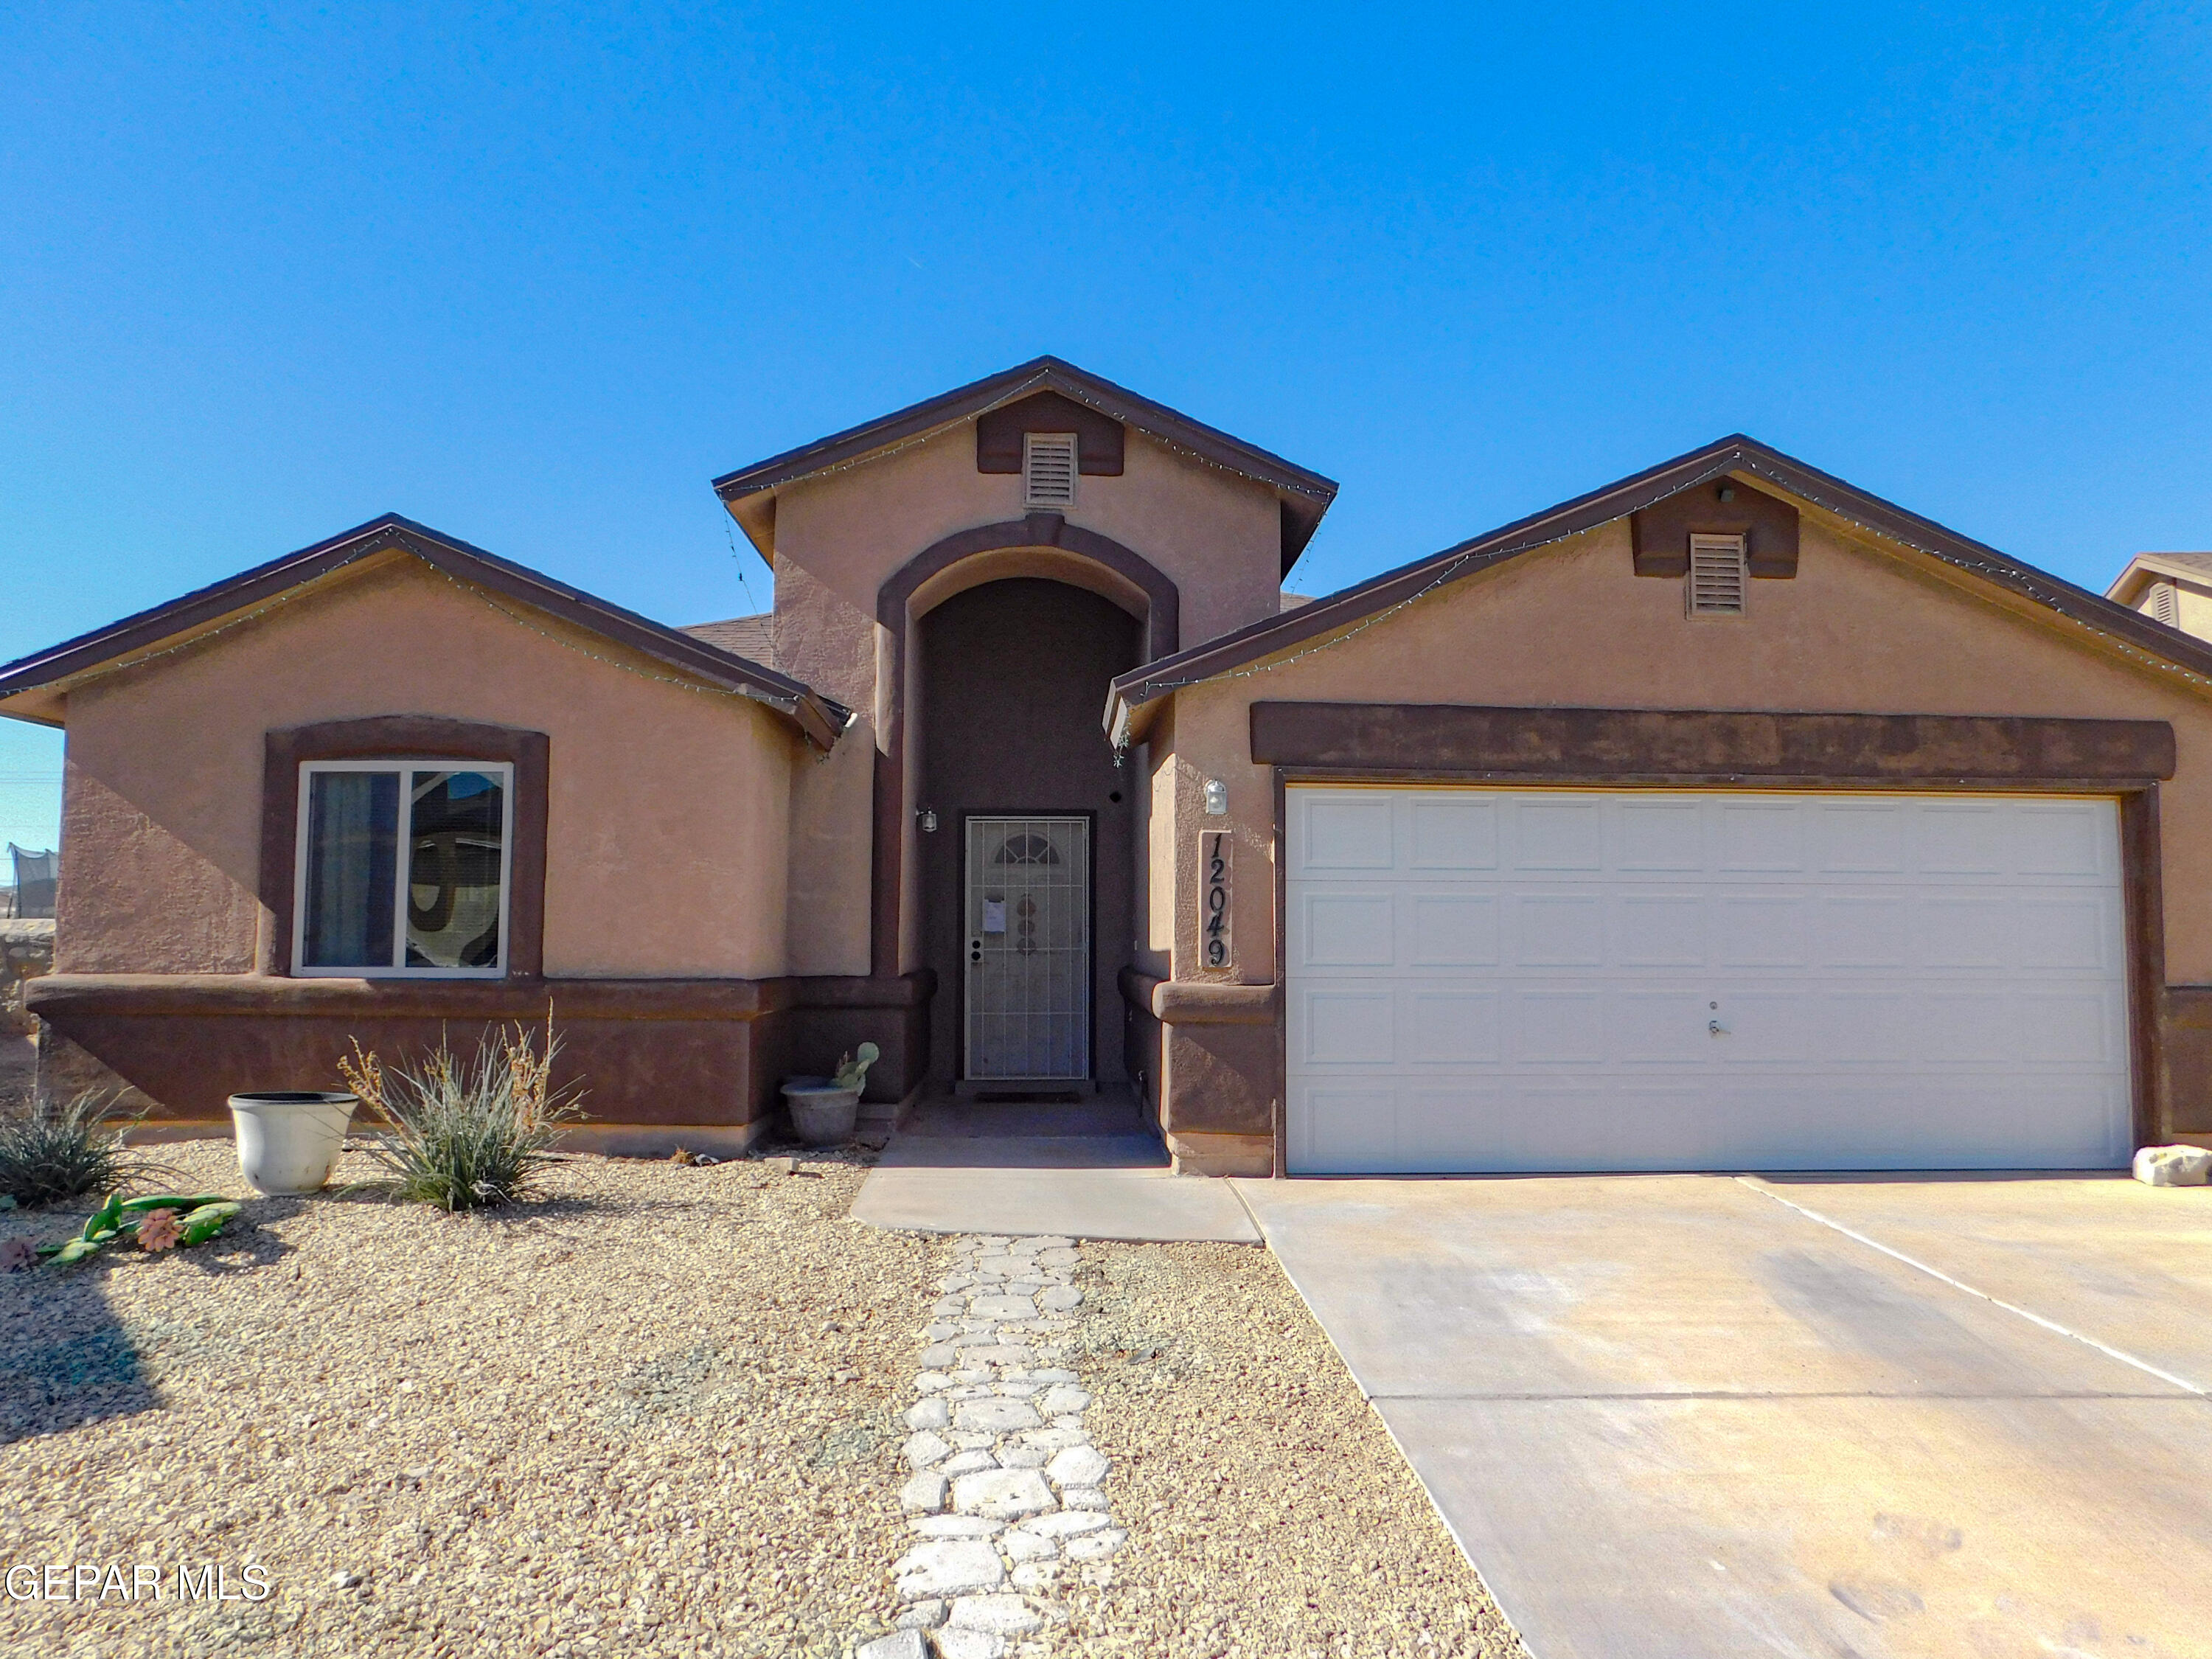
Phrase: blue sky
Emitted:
{"points": [[534, 278]]}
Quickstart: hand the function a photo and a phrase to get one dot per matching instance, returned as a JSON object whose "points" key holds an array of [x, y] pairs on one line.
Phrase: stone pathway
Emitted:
{"points": [[1005, 1498]]}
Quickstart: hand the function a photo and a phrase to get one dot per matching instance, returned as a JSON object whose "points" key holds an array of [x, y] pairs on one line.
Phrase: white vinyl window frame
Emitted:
{"points": [[403, 843]]}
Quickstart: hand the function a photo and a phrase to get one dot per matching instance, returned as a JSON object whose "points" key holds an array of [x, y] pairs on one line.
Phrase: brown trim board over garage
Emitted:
{"points": [[1617, 748]]}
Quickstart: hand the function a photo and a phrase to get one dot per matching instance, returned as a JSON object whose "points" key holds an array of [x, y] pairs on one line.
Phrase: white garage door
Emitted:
{"points": [[1527, 980]]}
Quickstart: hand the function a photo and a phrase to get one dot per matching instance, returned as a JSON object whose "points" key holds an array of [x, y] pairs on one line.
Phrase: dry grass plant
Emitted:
{"points": [[48, 1153], [466, 1135]]}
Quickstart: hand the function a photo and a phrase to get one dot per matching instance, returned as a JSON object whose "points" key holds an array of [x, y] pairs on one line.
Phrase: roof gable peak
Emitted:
{"points": [[1304, 495], [1242, 651]]}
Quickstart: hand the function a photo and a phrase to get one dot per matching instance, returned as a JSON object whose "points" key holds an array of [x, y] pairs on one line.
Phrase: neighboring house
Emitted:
{"points": [[2174, 588], [1726, 816]]}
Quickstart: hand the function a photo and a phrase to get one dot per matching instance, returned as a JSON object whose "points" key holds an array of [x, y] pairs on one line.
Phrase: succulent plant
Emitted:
{"points": [[853, 1069], [172, 1219]]}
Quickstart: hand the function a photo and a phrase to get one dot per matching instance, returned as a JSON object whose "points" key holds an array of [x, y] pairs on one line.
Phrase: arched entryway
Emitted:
{"points": [[1026, 883]]}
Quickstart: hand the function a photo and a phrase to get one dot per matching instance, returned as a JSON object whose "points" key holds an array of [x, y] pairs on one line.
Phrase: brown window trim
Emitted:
{"points": [[286, 750]]}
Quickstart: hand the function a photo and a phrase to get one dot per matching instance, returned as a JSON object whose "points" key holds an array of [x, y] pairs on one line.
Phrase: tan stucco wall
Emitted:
{"points": [[2192, 607], [1858, 630], [666, 824], [840, 537]]}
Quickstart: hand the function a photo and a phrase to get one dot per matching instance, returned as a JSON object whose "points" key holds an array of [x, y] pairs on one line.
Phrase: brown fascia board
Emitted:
{"points": [[1305, 495], [820, 720], [1736, 454]]}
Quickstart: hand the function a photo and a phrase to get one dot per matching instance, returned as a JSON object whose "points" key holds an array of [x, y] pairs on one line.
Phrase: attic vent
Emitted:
{"points": [[1716, 577], [1048, 468], [2166, 604]]}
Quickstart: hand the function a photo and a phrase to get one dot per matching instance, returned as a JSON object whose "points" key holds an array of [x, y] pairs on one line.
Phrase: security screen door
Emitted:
{"points": [[1027, 911]]}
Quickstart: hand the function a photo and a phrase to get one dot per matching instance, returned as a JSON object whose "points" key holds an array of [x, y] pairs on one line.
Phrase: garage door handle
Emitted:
{"points": [[1716, 1028]]}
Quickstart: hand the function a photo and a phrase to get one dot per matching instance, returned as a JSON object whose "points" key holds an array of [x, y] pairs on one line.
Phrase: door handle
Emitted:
{"points": [[1716, 1028]]}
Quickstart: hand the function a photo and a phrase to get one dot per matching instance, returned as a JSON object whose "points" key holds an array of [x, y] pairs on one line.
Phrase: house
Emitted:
{"points": [[2174, 588], [1725, 816]]}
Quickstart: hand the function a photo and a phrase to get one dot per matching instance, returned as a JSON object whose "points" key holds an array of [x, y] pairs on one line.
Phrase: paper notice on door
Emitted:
{"points": [[995, 915]]}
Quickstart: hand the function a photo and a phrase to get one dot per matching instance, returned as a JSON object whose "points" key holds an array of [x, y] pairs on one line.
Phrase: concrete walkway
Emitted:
{"points": [[1690, 1416], [966, 1168]]}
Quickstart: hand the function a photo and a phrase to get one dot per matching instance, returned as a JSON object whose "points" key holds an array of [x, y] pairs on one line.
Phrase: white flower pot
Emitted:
{"points": [[822, 1113], [288, 1139]]}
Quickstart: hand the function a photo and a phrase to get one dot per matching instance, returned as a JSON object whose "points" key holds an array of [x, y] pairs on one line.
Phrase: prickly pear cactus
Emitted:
{"points": [[853, 1069]]}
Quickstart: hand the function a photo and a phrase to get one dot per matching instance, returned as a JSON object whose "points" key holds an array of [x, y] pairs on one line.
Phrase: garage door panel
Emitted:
{"points": [[1346, 832], [1859, 837], [1659, 930], [1862, 1030], [2060, 1029], [2068, 932], [1659, 1027], [1559, 930], [1557, 1027], [1969, 931], [1452, 1026], [1559, 834], [1346, 1027], [1346, 1130], [1443, 1125], [1347, 929], [1767, 1028], [1956, 1028], [1762, 835], [1960, 838], [1763, 930], [1663, 835], [1527, 980], [1452, 930], [1863, 930], [2064, 839], [1455, 835]]}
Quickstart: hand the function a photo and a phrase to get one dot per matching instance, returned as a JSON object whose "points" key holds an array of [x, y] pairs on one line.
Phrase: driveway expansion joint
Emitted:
{"points": [[1918, 1266]]}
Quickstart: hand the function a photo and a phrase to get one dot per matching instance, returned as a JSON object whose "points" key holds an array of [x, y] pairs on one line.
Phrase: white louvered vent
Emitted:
{"points": [[1717, 578], [1048, 468], [2166, 604]]}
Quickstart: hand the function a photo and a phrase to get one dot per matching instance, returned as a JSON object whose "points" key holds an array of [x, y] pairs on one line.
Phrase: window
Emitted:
{"points": [[402, 867], [2166, 604], [1716, 580], [1048, 468]]}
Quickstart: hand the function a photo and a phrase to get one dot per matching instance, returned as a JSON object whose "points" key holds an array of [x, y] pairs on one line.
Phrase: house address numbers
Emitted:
{"points": [[1213, 887]]}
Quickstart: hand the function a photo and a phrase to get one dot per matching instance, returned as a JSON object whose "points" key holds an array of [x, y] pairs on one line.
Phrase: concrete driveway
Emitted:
{"points": [[1690, 1415]]}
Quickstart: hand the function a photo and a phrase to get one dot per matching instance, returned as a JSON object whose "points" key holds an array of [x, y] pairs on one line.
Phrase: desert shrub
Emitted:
{"points": [[466, 1135], [49, 1152]]}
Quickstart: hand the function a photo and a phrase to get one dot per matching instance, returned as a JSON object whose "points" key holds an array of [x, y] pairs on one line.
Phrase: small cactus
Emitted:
{"points": [[853, 1069]]}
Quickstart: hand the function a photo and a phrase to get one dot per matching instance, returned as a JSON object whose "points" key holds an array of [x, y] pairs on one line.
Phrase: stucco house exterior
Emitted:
{"points": [[2174, 588], [1725, 816]]}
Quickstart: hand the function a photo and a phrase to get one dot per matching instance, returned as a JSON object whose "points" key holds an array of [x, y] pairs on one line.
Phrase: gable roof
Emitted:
{"points": [[2128, 584], [750, 637], [1305, 495], [1368, 602], [51, 670]]}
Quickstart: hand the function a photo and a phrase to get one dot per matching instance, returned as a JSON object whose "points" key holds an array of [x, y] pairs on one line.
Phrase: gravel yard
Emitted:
{"points": [[657, 1413], [1269, 1515], [654, 1415]]}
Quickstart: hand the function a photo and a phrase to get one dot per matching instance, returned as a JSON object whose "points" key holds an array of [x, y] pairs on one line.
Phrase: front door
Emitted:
{"points": [[1028, 909]]}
